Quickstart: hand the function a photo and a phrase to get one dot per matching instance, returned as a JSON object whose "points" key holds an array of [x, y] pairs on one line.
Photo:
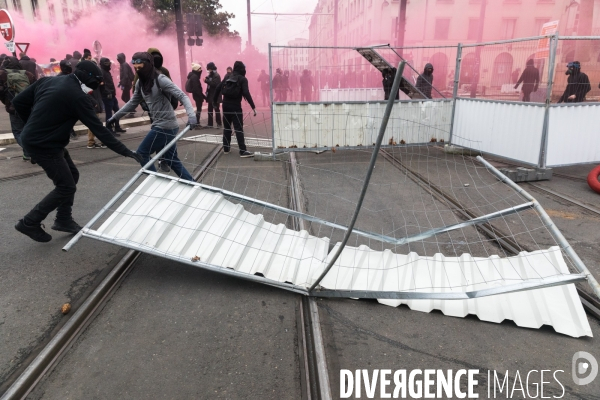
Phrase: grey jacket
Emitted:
{"points": [[163, 115]]}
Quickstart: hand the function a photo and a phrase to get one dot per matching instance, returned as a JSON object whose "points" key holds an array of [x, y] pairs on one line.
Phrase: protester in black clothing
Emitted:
{"points": [[50, 108], [530, 78], [126, 76], [234, 88], [65, 68], [212, 80], [306, 86], [578, 84], [11, 66], [195, 88], [109, 96], [286, 85], [229, 71], [263, 79], [74, 60], [28, 65], [278, 85], [424, 81]]}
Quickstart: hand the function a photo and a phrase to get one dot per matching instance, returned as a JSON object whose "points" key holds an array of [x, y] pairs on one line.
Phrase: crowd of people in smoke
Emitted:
{"points": [[43, 111]]}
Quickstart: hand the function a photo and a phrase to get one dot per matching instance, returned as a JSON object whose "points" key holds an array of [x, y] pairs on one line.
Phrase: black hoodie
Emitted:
{"points": [[239, 75], [50, 107], [108, 89], [126, 74], [425, 81], [29, 65]]}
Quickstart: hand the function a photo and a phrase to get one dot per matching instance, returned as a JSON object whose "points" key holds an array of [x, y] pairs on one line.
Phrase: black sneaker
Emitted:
{"points": [[93, 146], [115, 134], [36, 232], [163, 166], [246, 154], [26, 158], [69, 226], [226, 151], [120, 130]]}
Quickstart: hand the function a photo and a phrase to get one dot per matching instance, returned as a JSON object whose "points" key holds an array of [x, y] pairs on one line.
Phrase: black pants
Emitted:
{"points": [[233, 116], [526, 95], [63, 173], [111, 105], [198, 101], [217, 112], [305, 95]]}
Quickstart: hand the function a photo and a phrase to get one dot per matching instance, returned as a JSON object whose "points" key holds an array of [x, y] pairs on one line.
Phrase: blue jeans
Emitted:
{"points": [[16, 125], [154, 142]]}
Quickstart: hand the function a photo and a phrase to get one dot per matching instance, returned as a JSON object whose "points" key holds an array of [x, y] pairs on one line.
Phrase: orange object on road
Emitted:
{"points": [[592, 179]]}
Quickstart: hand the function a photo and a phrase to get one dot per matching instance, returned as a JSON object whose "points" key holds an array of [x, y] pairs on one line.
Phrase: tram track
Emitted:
{"points": [[590, 304], [311, 354], [85, 314]]}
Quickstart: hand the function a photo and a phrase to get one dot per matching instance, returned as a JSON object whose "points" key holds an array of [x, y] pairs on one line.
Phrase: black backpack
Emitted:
{"points": [[188, 85], [232, 87]]}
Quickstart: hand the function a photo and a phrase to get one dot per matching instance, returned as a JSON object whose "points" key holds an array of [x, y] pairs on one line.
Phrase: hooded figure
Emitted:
{"points": [[50, 108], [157, 59], [530, 78], [87, 54], [306, 86], [425, 81], [234, 88], [263, 79], [65, 67], [109, 96], [11, 65], [126, 76], [196, 88], [578, 84], [278, 85], [212, 80], [75, 59], [157, 90], [28, 65]]}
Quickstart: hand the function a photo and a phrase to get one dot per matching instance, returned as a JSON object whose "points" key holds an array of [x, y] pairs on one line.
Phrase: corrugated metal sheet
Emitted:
{"points": [[573, 135], [185, 222], [355, 124], [365, 269], [507, 130]]}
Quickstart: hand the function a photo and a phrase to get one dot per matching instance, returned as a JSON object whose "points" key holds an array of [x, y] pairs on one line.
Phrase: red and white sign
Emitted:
{"points": [[543, 47], [22, 47], [7, 27]]}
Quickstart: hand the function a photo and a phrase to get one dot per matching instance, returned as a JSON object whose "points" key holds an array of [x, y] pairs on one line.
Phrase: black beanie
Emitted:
{"points": [[211, 65]]}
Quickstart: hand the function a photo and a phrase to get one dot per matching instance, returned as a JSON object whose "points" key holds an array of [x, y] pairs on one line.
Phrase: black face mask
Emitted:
{"points": [[569, 71]]}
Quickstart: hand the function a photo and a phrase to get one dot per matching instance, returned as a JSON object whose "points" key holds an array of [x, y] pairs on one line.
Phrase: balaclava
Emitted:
{"points": [[105, 64], [148, 73], [89, 74]]}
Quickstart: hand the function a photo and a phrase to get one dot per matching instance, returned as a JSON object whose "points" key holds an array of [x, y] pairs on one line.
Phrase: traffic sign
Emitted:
{"points": [[7, 27], [22, 47], [10, 46]]}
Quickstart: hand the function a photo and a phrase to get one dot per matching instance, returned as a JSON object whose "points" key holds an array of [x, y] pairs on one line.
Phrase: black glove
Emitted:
{"points": [[137, 157], [254, 112]]}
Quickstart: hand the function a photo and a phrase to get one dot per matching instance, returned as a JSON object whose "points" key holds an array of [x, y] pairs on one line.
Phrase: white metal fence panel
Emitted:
{"points": [[573, 134], [511, 130], [357, 124], [355, 94]]}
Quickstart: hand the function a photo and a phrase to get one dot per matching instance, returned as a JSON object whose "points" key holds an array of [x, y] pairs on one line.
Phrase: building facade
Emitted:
{"points": [[432, 24]]}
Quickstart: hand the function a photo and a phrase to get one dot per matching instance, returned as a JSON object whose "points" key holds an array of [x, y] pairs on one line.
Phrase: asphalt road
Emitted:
{"points": [[174, 331]]}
